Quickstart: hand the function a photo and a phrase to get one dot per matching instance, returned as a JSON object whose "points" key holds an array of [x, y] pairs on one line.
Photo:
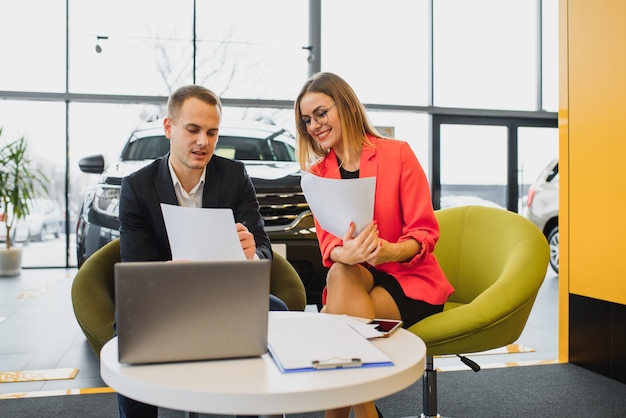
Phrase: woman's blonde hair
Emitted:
{"points": [[354, 121]]}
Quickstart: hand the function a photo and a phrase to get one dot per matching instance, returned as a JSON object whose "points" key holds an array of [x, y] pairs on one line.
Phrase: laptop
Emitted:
{"points": [[185, 311]]}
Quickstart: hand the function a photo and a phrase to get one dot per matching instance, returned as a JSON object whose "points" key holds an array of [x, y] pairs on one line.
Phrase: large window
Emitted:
{"points": [[252, 49], [92, 71], [550, 55], [489, 161], [410, 127], [380, 48], [42, 124], [537, 147], [32, 49], [486, 54], [133, 48]]}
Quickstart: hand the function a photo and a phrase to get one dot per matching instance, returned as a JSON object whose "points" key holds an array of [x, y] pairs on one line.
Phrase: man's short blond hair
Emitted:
{"points": [[176, 100]]}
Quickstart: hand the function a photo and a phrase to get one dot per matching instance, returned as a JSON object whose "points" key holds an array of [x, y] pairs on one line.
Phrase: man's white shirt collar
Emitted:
{"points": [[194, 197]]}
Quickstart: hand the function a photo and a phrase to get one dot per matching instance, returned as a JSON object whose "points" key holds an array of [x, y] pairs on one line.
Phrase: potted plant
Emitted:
{"points": [[18, 181]]}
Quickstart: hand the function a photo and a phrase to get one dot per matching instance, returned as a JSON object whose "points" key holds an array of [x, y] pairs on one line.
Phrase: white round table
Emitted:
{"points": [[255, 386]]}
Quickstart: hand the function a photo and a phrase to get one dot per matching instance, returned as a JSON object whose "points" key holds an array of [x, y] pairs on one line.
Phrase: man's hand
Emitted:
{"points": [[247, 240]]}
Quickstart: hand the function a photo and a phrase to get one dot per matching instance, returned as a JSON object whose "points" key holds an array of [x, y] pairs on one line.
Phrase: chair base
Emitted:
{"points": [[429, 384], [429, 394]]}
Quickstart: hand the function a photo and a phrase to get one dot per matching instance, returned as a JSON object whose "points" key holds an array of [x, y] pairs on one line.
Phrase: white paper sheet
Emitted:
{"points": [[335, 203], [296, 343], [201, 234]]}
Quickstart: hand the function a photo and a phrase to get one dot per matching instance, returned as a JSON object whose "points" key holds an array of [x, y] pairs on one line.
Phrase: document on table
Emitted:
{"points": [[201, 234], [320, 342], [337, 202]]}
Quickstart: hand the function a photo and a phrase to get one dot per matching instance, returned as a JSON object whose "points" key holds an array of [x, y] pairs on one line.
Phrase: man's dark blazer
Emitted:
{"points": [[142, 228]]}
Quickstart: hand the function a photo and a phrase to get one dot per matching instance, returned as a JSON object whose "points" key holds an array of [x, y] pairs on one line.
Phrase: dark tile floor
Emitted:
{"points": [[38, 331]]}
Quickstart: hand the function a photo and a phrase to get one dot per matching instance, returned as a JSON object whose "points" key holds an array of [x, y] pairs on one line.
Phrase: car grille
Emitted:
{"points": [[282, 211]]}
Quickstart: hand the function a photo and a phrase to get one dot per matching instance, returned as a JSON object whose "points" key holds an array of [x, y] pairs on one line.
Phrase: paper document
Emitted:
{"points": [[320, 342], [202, 234], [335, 203]]}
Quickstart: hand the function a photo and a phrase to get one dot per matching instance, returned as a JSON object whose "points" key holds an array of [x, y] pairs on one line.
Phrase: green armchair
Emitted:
{"points": [[93, 293], [496, 260]]}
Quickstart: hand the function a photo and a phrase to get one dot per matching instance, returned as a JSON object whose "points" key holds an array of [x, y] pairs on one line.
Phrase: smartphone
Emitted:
{"points": [[386, 326]]}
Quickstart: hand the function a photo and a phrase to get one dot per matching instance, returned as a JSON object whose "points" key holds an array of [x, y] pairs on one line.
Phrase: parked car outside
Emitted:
{"points": [[19, 231], [268, 152], [543, 208], [45, 219]]}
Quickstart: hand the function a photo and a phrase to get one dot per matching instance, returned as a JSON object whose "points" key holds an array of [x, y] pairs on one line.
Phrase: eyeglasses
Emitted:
{"points": [[321, 117]]}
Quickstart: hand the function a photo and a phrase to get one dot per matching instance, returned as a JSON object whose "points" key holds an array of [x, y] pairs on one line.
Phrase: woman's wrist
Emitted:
{"points": [[405, 250], [335, 254]]}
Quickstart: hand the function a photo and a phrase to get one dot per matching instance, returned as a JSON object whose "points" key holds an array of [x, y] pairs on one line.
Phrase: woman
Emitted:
{"points": [[388, 270]]}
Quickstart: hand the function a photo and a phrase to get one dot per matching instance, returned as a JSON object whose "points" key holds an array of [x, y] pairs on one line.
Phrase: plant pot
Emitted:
{"points": [[11, 261]]}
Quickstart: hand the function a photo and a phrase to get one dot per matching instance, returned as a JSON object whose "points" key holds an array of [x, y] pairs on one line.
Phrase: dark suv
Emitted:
{"points": [[269, 155]]}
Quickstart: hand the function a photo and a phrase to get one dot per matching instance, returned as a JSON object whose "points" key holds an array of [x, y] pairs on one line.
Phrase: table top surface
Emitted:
{"points": [[253, 386]]}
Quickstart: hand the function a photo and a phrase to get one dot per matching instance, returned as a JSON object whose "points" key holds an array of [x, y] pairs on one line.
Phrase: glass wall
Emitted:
{"points": [[33, 45], [537, 147], [410, 127], [92, 71], [380, 48], [473, 165], [42, 124], [550, 55], [490, 59], [252, 49], [129, 47], [489, 161]]}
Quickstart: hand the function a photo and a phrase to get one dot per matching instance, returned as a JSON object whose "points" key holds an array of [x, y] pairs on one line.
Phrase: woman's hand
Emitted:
{"points": [[382, 254], [398, 252], [357, 249], [368, 247]]}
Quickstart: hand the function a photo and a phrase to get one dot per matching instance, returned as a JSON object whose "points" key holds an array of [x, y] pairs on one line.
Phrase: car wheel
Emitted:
{"points": [[553, 241]]}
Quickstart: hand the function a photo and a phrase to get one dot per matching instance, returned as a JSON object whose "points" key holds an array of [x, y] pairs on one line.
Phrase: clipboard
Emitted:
{"points": [[321, 342]]}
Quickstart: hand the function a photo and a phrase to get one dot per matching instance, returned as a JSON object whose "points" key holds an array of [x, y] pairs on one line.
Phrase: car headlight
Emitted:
{"points": [[106, 200]]}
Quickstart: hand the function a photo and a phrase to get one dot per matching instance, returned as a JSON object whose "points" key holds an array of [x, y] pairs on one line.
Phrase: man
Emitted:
{"points": [[189, 175]]}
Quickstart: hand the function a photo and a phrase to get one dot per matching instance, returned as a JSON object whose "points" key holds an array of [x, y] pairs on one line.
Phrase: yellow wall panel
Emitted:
{"points": [[595, 198]]}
